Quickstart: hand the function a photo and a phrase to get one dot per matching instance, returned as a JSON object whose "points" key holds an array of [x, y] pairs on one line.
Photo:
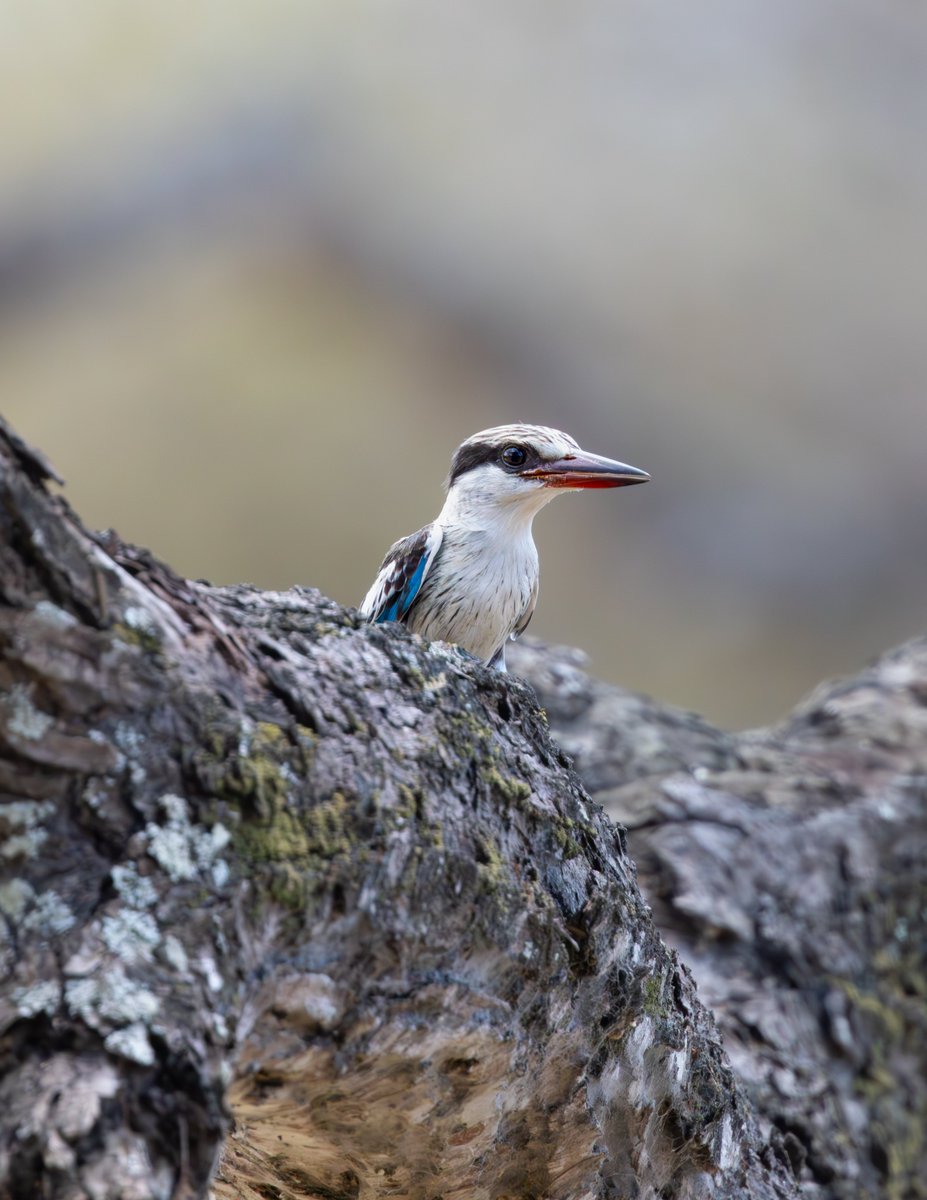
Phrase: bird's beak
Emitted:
{"points": [[582, 470]]}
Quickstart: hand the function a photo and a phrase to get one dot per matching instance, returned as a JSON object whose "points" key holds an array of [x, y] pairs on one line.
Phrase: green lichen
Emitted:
{"points": [[298, 844], [893, 1033], [564, 839], [886, 1016], [476, 740], [252, 767], [289, 886], [411, 807], [328, 831], [357, 726], [653, 997], [507, 787], [467, 733], [277, 836], [491, 868], [258, 779], [415, 677], [282, 843], [905, 1159]]}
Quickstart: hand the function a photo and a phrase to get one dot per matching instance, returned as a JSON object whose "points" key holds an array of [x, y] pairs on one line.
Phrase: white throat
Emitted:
{"points": [[485, 501]]}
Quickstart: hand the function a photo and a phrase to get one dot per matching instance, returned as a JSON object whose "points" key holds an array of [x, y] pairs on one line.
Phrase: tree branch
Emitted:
{"points": [[262, 860]]}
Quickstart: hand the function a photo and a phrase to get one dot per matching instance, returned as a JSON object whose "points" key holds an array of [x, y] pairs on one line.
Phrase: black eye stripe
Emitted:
{"points": [[476, 454], [471, 455]]}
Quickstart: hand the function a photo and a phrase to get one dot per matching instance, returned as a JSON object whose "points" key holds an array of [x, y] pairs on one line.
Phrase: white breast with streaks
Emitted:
{"points": [[478, 589]]}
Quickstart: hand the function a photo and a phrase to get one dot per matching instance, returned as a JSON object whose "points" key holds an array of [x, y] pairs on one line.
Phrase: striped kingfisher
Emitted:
{"points": [[471, 576]]}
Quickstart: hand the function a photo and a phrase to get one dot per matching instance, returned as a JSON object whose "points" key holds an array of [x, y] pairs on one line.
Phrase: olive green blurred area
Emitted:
{"points": [[264, 265]]}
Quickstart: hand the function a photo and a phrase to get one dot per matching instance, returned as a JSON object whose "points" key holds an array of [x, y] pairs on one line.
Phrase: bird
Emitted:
{"points": [[470, 577]]}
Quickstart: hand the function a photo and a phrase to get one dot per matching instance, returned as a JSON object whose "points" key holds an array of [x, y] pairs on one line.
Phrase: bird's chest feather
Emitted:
{"points": [[477, 591]]}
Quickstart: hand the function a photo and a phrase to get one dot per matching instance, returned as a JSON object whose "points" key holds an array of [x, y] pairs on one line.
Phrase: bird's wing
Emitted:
{"points": [[401, 575]]}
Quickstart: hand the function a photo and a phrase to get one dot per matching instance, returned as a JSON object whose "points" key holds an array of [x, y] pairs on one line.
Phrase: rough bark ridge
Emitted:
{"points": [[787, 867], [257, 857]]}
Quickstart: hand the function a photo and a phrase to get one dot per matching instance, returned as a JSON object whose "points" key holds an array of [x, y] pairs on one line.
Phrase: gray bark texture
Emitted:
{"points": [[292, 907], [788, 869]]}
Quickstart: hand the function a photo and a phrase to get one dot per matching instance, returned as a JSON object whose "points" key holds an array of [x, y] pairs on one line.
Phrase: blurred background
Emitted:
{"points": [[264, 265]]}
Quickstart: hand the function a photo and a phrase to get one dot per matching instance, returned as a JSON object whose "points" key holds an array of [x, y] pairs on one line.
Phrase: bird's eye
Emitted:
{"points": [[514, 456]]}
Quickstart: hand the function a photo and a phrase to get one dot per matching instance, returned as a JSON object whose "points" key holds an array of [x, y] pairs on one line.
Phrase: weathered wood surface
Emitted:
{"points": [[260, 859], [788, 868]]}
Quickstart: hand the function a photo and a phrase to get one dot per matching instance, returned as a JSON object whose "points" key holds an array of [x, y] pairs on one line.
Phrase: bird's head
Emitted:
{"points": [[522, 467]]}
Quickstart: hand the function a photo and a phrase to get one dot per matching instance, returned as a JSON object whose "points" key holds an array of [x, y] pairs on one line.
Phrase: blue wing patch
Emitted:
{"points": [[401, 576], [404, 596]]}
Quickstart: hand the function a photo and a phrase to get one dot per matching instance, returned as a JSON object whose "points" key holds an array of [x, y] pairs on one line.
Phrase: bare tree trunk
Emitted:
{"points": [[261, 861]]}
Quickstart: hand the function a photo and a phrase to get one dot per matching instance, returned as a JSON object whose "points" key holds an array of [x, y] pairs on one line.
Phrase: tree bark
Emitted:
{"points": [[787, 869], [329, 904]]}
